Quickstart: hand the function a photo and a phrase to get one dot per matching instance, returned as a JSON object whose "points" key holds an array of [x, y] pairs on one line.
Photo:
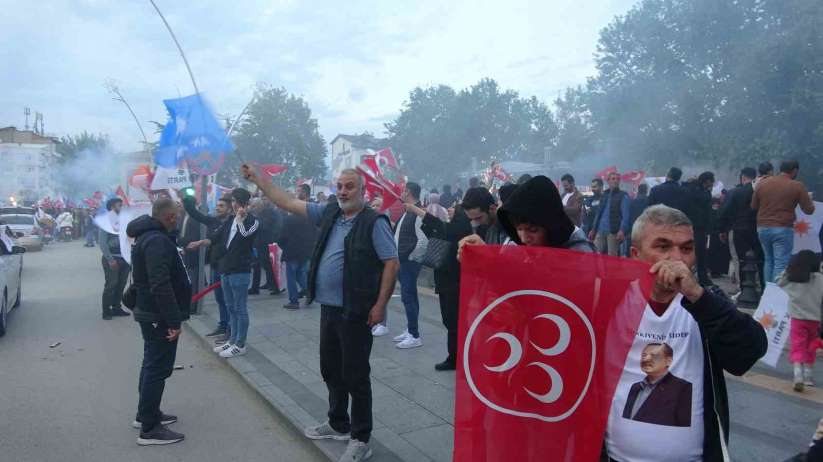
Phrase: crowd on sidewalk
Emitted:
{"points": [[347, 256]]}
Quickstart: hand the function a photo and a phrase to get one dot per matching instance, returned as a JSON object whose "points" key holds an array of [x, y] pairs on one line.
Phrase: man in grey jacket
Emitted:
{"points": [[115, 268], [411, 245]]}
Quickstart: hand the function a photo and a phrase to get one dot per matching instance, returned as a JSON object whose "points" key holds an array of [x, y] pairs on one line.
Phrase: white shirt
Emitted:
{"points": [[637, 439], [566, 198]]}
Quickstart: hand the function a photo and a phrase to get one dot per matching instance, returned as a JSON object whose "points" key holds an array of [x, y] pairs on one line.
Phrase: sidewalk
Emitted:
{"points": [[413, 404]]}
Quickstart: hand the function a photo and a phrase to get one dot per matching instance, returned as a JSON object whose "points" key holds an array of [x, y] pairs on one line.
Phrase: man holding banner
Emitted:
{"points": [[553, 347]]}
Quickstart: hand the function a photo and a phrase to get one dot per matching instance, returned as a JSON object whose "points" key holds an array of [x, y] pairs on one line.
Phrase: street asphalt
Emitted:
{"points": [[75, 401]]}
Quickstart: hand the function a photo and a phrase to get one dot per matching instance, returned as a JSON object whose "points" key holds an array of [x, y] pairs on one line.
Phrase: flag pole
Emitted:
{"points": [[204, 180]]}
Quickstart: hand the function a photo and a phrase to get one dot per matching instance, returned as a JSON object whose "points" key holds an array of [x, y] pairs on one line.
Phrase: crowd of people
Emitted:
{"points": [[347, 255]]}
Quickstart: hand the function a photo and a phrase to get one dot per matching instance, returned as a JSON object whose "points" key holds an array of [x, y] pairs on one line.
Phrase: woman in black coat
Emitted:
{"points": [[447, 277]]}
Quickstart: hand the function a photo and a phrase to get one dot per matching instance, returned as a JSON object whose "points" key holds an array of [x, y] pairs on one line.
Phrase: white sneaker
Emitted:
{"points": [[402, 336], [410, 342], [233, 351], [222, 347], [379, 330]]}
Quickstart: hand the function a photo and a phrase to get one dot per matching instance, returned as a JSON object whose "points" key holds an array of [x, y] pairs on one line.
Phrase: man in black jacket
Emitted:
{"points": [[271, 223], [670, 193], [711, 335], [699, 211], [352, 273], [163, 299], [739, 220], [222, 213], [297, 240], [232, 248]]}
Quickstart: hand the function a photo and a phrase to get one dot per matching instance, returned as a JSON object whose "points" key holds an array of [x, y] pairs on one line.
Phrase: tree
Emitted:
{"points": [[70, 146], [278, 128], [440, 133]]}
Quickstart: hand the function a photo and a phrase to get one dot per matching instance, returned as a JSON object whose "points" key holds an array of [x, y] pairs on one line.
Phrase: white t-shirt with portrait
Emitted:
{"points": [[666, 423]]}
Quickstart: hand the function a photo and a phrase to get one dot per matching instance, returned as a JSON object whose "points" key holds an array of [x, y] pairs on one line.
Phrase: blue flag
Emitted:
{"points": [[192, 133]]}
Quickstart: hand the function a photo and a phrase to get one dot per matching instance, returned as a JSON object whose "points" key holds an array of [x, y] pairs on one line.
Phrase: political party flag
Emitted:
{"points": [[807, 229], [604, 174], [773, 314], [192, 133], [377, 180], [543, 338], [171, 178]]}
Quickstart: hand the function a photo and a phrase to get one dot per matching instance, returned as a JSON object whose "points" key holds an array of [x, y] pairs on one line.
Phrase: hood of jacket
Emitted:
{"points": [[538, 202], [142, 225]]}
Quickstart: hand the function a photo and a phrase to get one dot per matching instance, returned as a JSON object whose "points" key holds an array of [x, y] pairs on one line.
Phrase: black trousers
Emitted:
{"points": [[158, 363], [745, 240], [345, 347], [116, 280], [449, 308], [264, 261]]}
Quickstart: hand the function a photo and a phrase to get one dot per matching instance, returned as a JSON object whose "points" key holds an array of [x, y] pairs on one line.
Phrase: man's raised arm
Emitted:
{"points": [[279, 197]]}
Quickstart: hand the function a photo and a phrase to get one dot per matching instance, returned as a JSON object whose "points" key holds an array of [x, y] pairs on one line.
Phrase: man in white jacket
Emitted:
{"points": [[411, 246]]}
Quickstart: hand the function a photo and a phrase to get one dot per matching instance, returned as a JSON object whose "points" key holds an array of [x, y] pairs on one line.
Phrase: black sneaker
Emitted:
{"points": [[292, 306], [107, 313], [217, 332], [165, 419], [159, 435], [254, 291], [445, 366], [117, 311]]}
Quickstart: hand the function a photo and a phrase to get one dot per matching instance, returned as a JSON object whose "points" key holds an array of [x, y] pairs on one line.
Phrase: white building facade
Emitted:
{"points": [[28, 164], [347, 151]]}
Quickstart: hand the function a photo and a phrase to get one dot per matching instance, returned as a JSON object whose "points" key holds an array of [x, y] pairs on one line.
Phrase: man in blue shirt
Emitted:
{"points": [[611, 225], [352, 274]]}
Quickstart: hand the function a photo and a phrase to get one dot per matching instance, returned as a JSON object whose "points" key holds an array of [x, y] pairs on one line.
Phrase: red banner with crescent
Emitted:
{"points": [[543, 338]]}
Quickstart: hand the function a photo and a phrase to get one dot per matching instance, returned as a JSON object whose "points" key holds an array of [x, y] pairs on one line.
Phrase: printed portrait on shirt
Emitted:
{"points": [[661, 398]]}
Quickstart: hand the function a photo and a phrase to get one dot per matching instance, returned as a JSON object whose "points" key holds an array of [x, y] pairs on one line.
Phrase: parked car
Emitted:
{"points": [[17, 211], [11, 272], [29, 233]]}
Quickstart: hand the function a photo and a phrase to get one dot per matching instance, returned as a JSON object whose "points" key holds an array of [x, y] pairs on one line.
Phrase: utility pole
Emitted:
{"points": [[27, 112]]}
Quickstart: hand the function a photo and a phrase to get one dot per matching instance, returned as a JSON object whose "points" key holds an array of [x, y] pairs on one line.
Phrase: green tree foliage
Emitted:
{"points": [[70, 146], [279, 128], [439, 131], [726, 82]]}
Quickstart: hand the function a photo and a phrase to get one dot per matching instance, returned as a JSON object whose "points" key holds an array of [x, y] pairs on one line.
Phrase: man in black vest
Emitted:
{"points": [[352, 274]]}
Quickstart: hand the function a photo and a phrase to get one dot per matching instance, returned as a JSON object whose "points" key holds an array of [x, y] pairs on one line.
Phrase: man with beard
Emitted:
{"points": [[352, 274], [591, 205], [572, 200]]}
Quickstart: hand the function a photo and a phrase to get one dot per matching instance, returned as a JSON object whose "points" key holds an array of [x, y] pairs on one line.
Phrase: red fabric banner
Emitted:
{"points": [[274, 256], [543, 338]]}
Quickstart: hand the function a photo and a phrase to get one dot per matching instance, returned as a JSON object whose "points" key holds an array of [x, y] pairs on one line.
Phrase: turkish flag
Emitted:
{"points": [[269, 170], [604, 174], [543, 338]]}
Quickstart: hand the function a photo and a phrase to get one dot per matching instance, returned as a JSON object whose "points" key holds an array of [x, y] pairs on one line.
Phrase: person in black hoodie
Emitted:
{"points": [[163, 300], [699, 211], [271, 223], [534, 215]]}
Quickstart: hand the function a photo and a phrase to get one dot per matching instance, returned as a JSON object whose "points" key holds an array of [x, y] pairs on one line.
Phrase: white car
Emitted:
{"points": [[29, 233], [11, 272]]}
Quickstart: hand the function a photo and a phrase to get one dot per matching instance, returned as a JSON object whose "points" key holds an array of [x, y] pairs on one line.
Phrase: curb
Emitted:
{"points": [[281, 403]]}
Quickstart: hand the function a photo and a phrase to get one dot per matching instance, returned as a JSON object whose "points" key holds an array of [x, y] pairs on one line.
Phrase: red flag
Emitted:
{"points": [[635, 177], [543, 337], [269, 170], [385, 159], [604, 174], [122, 195], [377, 183]]}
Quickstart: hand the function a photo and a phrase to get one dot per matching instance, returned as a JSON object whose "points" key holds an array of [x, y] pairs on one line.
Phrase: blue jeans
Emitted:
{"points": [[297, 274], [91, 236], [407, 276], [221, 300], [777, 250], [236, 293]]}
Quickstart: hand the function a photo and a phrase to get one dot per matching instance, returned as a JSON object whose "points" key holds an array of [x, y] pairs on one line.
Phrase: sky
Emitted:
{"points": [[353, 62]]}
